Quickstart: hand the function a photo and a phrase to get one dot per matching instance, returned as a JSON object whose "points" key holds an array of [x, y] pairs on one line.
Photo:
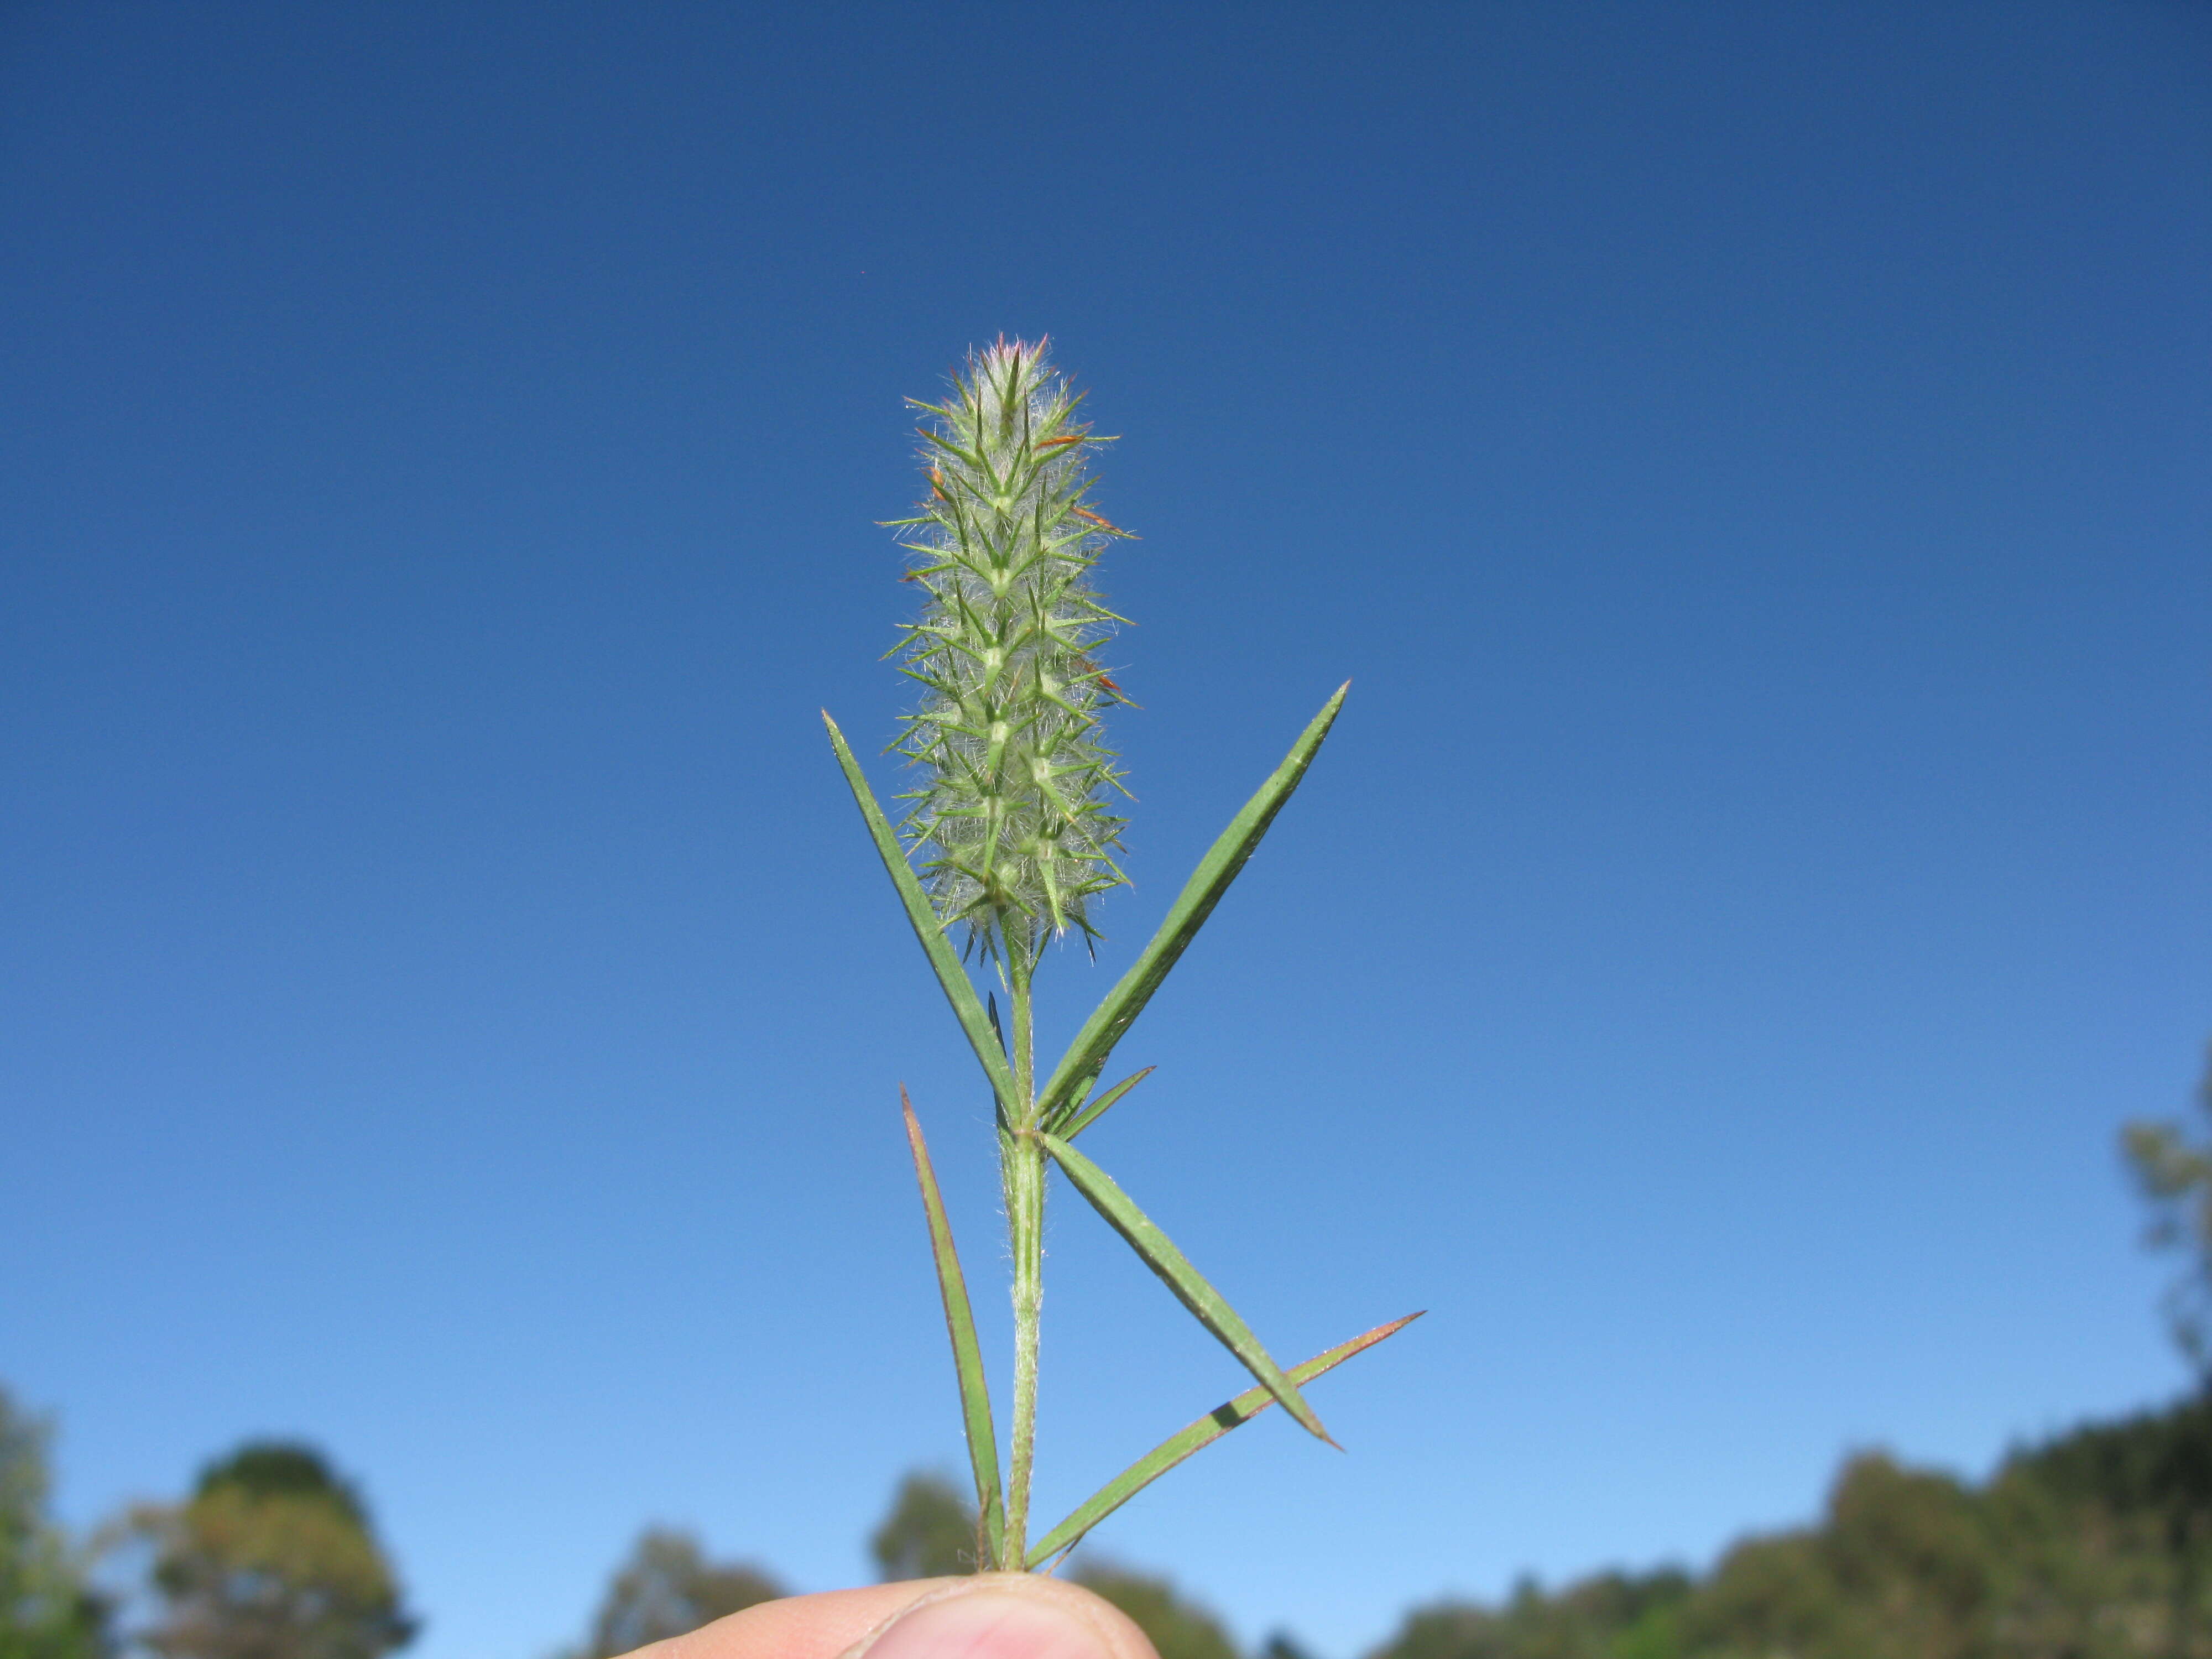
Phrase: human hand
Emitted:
{"points": [[988, 1616]]}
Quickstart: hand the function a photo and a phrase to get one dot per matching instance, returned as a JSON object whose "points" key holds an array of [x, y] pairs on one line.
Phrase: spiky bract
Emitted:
{"points": [[1013, 812]]}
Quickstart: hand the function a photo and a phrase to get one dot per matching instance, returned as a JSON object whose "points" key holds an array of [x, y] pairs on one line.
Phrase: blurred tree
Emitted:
{"points": [[47, 1609], [1449, 1630], [2111, 1525], [2175, 1174], [1913, 1544], [1771, 1595], [1905, 1567], [1614, 1615], [2096, 1544], [668, 1587], [272, 1557], [930, 1532]]}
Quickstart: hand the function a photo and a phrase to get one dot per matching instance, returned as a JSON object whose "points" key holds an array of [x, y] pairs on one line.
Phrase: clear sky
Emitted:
{"points": [[1752, 461]]}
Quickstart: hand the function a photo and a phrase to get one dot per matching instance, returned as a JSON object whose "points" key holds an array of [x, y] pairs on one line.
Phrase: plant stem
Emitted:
{"points": [[1022, 1175], [1025, 1043]]}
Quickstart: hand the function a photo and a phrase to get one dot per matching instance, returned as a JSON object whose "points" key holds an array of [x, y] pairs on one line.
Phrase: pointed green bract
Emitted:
{"points": [[1011, 822], [1195, 1438], [1086, 1056], [1206, 1304], [967, 1007], [1082, 1117], [966, 1352]]}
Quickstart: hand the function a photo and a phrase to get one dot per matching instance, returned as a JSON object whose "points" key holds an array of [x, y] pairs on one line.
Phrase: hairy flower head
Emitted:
{"points": [[1011, 820]]}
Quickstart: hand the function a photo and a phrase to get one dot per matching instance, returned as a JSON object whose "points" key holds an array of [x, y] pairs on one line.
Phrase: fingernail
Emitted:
{"points": [[990, 1625]]}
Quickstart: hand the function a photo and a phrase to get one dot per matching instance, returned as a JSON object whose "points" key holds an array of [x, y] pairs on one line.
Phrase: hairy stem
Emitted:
{"points": [[1025, 1041], [1022, 1173]]}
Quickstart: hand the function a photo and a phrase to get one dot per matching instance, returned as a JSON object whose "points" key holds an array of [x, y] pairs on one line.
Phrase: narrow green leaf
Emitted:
{"points": [[958, 991], [967, 1354], [1085, 1117], [1160, 1255], [1087, 1055], [1196, 1437]]}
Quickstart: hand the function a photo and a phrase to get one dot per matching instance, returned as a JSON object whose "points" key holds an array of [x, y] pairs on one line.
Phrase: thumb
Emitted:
{"points": [[1005, 1616]]}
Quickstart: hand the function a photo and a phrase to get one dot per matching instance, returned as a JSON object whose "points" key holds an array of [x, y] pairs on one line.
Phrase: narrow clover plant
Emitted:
{"points": [[1010, 841]]}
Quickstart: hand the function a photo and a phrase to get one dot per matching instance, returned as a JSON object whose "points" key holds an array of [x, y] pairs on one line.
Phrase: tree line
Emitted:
{"points": [[2096, 1544], [273, 1555]]}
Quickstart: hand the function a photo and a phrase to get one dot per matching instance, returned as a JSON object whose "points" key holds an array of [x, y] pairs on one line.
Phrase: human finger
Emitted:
{"points": [[983, 1616]]}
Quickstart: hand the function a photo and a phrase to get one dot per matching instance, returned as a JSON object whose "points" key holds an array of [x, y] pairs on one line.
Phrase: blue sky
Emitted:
{"points": [[1751, 461]]}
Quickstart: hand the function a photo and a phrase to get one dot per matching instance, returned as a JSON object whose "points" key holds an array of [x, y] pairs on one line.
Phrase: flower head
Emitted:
{"points": [[1012, 812]]}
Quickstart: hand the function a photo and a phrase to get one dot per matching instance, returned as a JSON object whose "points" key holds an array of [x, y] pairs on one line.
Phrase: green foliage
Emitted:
{"points": [[669, 1587], [272, 1557], [48, 1611], [1178, 1628], [930, 1532], [2096, 1545], [1612, 1616], [263, 1469], [1013, 813], [2152, 1464], [2174, 1171], [1904, 1566]]}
